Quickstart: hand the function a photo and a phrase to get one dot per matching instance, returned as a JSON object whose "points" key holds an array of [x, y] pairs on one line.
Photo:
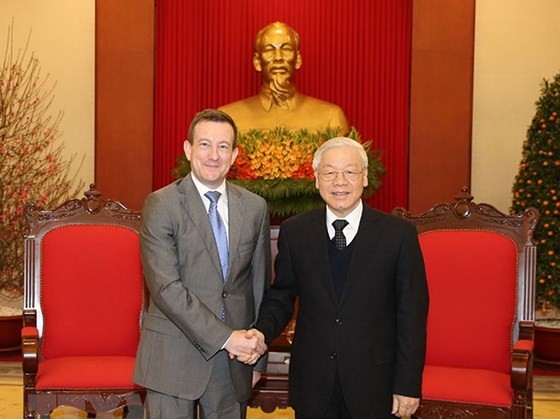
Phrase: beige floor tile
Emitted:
{"points": [[547, 399]]}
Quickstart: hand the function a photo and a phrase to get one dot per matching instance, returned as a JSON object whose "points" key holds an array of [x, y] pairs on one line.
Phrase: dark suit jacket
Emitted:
{"points": [[183, 330], [375, 335]]}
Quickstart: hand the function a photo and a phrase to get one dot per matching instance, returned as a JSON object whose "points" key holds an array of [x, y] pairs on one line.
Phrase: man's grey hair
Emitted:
{"points": [[339, 142]]}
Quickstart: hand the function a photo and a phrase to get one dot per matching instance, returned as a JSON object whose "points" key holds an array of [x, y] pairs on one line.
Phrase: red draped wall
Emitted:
{"points": [[356, 53]]}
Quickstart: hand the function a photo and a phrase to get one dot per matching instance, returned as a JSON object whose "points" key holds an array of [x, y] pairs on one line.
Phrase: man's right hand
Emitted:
{"points": [[246, 345]]}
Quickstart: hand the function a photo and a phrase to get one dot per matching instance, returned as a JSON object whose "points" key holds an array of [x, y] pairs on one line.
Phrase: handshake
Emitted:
{"points": [[246, 345]]}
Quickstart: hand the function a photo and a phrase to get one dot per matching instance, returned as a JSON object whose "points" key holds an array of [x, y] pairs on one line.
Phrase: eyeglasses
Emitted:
{"points": [[349, 174]]}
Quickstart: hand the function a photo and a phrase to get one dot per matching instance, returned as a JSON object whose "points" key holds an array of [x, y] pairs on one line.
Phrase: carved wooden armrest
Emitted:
{"points": [[522, 365], [30, 350], [527, 330], [30, 317], [270, 393]]}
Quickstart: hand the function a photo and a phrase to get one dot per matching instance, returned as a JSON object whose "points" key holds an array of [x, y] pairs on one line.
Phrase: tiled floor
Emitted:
{"points": [[547, 399]]}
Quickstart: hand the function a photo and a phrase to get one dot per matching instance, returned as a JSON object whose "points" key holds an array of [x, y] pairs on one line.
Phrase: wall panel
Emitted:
{"points": [[124, 99], [441, 101]]}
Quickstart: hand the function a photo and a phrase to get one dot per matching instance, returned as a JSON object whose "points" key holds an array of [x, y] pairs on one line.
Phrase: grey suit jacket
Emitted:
{"points": [[183, 330]]}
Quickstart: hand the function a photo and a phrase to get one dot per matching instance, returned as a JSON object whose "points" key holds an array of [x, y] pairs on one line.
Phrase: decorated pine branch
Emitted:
{"points": [[538, 185]]}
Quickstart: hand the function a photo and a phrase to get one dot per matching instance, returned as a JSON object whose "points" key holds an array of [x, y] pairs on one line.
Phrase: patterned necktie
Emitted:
{"points": [[339, 238], [219, 229]]}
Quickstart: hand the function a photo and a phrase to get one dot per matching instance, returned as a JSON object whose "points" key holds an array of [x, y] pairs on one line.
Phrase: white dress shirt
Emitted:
{"points": [[353, 219], [222, 202]]}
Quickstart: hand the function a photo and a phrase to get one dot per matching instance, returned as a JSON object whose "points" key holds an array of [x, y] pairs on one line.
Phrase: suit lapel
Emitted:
{"points": [[319, 255], [236, 211], [364, 247], [192, 202]]}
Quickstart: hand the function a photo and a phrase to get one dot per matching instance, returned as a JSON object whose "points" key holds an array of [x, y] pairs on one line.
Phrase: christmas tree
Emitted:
{"points": [[537, 185]]}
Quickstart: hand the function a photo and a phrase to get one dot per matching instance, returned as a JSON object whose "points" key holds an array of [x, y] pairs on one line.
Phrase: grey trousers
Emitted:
{"points": [[217, 402]]}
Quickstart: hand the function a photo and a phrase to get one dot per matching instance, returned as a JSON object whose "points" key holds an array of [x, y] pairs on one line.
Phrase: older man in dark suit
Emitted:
{"points": [[359, 344], [206, 253]]}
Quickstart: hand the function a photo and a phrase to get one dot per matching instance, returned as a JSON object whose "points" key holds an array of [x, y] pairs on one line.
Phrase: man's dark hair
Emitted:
{"points": [[212, 115]]}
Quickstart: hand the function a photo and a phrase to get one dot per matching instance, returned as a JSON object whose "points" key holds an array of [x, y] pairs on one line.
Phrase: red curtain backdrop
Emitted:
{"points": [[356, 53]]}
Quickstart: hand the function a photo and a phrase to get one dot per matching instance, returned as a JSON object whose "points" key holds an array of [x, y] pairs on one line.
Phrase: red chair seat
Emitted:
{"points": [[467, 385], [86, 372]]}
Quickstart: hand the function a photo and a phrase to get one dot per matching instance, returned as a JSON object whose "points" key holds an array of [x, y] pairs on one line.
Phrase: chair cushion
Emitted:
{"points": [[91, 291], [473, 386], [472, 280], [86, 372]]}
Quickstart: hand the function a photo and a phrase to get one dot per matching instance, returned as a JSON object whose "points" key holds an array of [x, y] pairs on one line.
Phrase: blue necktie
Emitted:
{"points": [[219, 229]]}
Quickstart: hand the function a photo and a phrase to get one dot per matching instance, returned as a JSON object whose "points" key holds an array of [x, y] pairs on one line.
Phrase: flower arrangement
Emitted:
{"points": [[276, 164], [31, 165]]}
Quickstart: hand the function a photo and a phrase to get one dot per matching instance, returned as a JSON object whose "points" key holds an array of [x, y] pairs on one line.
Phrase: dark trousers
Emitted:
{"points": [[337, 407]]}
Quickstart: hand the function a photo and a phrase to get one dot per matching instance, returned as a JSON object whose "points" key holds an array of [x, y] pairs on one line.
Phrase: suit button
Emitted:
{"points": [[338, 321], [224, 294], [333, 355]]}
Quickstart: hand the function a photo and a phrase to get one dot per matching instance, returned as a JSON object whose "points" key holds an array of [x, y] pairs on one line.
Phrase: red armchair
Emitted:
{"points": [[480, 265], [83, 307]]}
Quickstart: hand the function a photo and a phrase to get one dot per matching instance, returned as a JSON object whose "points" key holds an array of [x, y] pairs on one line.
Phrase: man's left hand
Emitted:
{"points": [[404, 406]]}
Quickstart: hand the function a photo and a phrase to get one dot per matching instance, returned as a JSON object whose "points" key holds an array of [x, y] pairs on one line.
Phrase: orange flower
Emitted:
{"points": [[279, 154]]}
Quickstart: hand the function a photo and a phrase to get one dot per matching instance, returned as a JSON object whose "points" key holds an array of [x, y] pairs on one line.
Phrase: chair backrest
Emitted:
{"points": [[83, 277], [480, 265]]}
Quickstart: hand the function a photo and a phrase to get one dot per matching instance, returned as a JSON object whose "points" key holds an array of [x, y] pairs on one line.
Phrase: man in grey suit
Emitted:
{"points": [[206, 272]]}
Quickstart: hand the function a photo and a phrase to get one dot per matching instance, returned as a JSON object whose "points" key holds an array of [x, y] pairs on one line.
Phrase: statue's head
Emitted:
{"points": [[277, 54]]}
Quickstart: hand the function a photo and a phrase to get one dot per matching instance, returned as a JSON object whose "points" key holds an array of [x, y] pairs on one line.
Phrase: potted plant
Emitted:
{"points": [[276, 164], [32, 169], [537, 184]]}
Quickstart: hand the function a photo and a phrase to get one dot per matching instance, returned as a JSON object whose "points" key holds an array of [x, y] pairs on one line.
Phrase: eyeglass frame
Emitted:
{"points": [[348, 174]]}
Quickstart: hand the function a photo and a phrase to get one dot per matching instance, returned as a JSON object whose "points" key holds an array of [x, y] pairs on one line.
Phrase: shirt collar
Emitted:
{"points": [[353, 221], [202, 189]]}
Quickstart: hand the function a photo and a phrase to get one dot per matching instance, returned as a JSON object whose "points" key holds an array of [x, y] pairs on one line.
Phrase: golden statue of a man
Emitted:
{"points": [[279, 104]]}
